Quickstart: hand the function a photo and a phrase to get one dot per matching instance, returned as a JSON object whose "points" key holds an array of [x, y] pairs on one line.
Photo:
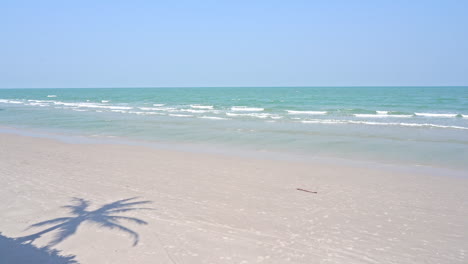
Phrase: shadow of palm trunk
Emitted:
{"points": [[13, 251]]}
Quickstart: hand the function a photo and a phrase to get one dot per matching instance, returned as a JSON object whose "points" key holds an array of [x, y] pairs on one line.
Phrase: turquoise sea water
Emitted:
{"points": [[402, 125]]}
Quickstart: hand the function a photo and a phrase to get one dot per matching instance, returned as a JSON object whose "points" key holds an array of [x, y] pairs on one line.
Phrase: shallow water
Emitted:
{"points": [[403, 125]]}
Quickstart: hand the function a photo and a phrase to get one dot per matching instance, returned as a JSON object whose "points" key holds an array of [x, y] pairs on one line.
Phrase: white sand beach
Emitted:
{"points": [[206, 208]]}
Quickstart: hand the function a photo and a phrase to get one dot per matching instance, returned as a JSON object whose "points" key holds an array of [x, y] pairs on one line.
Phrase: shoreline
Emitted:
{"points": [[231, 151], [208, 208]]}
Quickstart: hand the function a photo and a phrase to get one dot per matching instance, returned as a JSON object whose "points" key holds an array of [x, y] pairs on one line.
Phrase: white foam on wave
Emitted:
{"points": [[380, 116], [145, 113], [433, 125], [213, 117], [332, 121], [246, 109], [119, 111], [370, 115], [294, 112], [323, 121], [372, 123], [202, 106], [404, 116], [158, 104], [464, 116], [104, 101], [435, 115], [169, 109], [91, 105], [10, 101], [38, 104], [66, 104], [137, 112], [111, 107], [52, 95], [258, 115], [194, 111], [155, 113], [41, 101], [149, 108], [276, 117], [382, 112], [179, 115]]}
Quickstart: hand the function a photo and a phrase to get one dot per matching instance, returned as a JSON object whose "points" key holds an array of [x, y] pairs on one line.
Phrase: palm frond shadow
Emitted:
{"points": [[106, 216]]}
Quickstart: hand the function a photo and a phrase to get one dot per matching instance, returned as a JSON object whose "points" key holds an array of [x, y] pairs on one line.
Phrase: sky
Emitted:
{"points": [[232, 43]]}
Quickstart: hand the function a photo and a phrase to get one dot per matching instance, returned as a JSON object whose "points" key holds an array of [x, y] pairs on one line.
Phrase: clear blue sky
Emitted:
{"points": [[232, 43]]}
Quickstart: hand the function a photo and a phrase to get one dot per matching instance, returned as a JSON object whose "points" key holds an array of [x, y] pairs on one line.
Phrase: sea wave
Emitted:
{"points": [[112, 107], [333, 121], [435, 115], [213, 117], [380, 116], [91, 105], [41, 101], [258, 115], [202, 106], [370, 115], [148, 108], [179, 115], [10, 101], [294, 112], [323, 121], [246, 109], [157, 108], [136, 112], [276, 117], [154, 113], [196, 111], [144, 113], [433, 125], [38, 104]]}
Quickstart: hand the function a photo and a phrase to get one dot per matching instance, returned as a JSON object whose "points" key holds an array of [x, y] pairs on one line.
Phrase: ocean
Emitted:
{"points": [[423, 126]]}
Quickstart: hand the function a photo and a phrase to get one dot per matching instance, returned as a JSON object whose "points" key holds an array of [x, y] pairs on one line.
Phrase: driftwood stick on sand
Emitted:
{"points": [[299, 189]]}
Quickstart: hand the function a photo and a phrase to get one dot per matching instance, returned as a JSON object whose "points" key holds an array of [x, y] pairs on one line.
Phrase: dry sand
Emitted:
{"points": [[210, 208]]}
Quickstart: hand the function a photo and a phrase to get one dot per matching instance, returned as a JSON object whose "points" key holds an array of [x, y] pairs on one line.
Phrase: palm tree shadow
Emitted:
{"points": [[14, 252], [106, 216]]}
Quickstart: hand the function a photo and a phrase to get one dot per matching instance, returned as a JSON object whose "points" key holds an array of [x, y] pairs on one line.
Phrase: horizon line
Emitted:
{"points": [[293, 86]]}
